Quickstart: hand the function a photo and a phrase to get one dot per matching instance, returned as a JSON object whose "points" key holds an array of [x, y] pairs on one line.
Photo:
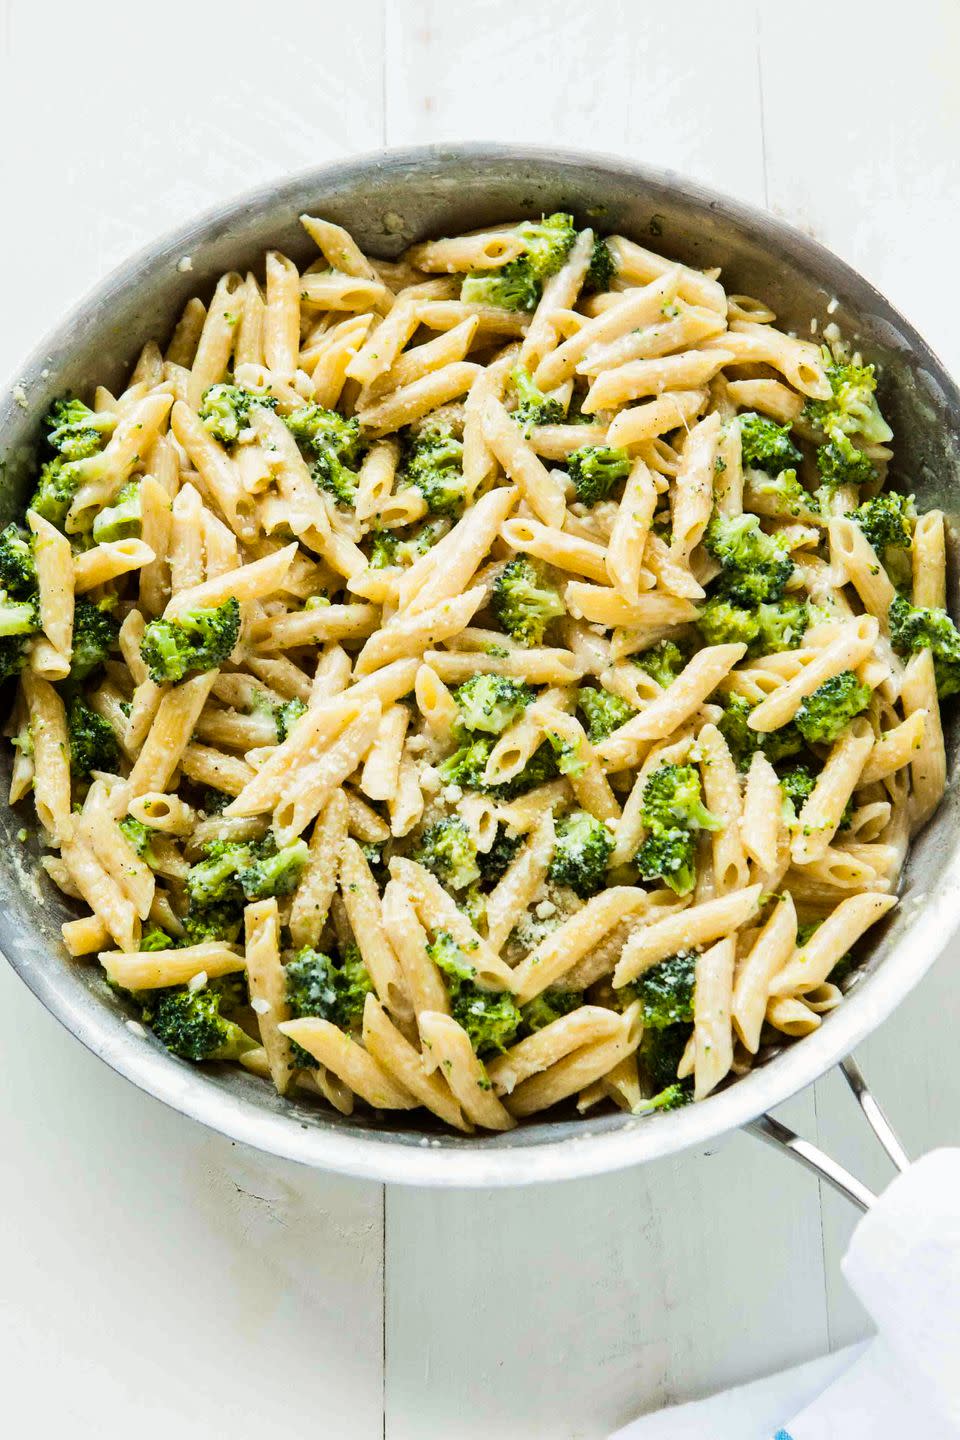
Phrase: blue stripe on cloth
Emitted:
{"points": [[783, 1435]]}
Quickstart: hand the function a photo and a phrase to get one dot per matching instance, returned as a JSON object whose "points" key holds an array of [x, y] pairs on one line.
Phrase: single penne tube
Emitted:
{"points": [[491, 320], [928, 766], [799, 361], [186, 539], [693, 488], [405, 1064], [585, 773], [767, 955], [466, 252], [295, 628], [412, 402], [559, 951], [305, 792], [822, 811], [168, 814], [521, 881], [536, 667], [102, 892], [639, 379], [601, 605], [248, 347], [895, 748], [852, 553], [47, 722], [689, 326], [344, 292], [435, 702], [281, 320], [155, 532], [463, 550], [721, 791], [334, 356], [636, 265], [712, 1026], [542, 491], [102, 476], [792, 1016], [810, 964], [698, 679], [205, 765], [628, 539], [930, 561], [411, 635], [631, 311], [84, 936], [700, 924], [361, 900], [423, 981], [377, 475], [761, 823], [318, 879], [186, 335], [566, 552], [177, 715], [577, 1070], [557, 442], [382, 348], [559, 296], [55, 582], [246, 582], [855, 641], [107, 561], [153, 970], [406, 805], [268, 988], [351, 1063], [586, 1025], [216, 340], [446, 1045], [338, 247], [674, 410], [769, 397], [382, 765]]}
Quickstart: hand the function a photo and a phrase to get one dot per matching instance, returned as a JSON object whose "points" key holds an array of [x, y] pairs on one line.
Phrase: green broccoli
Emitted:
{"points": [[285, 716], [602, 267], [595, 469], [447, 849], [518, 285], [756, 566], [18, 600], [666, 990], [490, 1017], [661, 1051], [784, 490], [333, 989], [603, 712], [18, 568], [199, 640], [122, 519], [887, 521], [841, 463], [524, 602], [672, 1097], [153, 938], [744, 742], [494, 862], [491, 702], [580, 856], [223, 921], [663, 662], [672, 811], [334, 445], [271, 871], [829, 710], [533, 406], [95, 634], [764, 628], [551, 1004], [225, 410], [388, 547], [465, 766], [93, 745], [433, 465], [141, 837], [74, 437], [919, 627], [796, 786], [852, 408], [239, 870], [189, 1023], [765, 445]]}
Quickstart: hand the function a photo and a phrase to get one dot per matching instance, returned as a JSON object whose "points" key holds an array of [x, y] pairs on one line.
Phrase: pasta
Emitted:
{"points": [[477, 682]]}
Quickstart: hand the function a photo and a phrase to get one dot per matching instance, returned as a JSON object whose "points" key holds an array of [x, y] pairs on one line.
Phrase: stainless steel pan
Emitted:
{"points": [[387, 200]]}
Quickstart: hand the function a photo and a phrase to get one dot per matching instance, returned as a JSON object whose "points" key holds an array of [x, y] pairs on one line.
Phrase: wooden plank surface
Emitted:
{"points": [[171, 1272]]}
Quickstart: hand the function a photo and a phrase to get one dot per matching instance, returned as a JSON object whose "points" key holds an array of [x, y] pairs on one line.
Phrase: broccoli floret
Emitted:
{"points": [[95, 634], [744, 742], [533, 406], [93, 745], [919, 627], [465, 766], [829, 710], [490, 1017], [666, 990], [796, 786], [549, 1005], [141, 837], [756, 566], [272, 871], [334, 445], [495, 861], [18, 569], [199, 640], [781, 626], [523, 602], [491, 702], [602, 267], [603, 712], [721, 622], [887, 521], [447, 849], [671, 1098], [225, 410], [153, 938], [567, 752], [433, 466], [764, 628], [784, 489], [766, 445], [595, 469], [122, 519], [233, 871], [388, 547], [661, 1051], [580, 856], [518, 285], [189, 1023], [672, 811], [852, 408], [662, 662], [223, 921], [286, 716], [841, 463], [541, 767], [333, 990], [74, 434], [384, 549]]}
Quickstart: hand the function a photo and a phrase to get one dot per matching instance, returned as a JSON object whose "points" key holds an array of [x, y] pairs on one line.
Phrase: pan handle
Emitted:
{"points": [[772, 1132]]}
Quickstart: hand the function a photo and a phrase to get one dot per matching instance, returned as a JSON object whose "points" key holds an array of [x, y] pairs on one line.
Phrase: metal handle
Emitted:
{"points": [[772, 1132]]}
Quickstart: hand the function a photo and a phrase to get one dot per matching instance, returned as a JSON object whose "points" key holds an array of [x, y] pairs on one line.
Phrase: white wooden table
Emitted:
{"points": [[156, 1279]]}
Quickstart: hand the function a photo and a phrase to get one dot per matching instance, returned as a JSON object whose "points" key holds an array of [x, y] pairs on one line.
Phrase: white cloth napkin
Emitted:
{"points": [[903, 1263]]}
